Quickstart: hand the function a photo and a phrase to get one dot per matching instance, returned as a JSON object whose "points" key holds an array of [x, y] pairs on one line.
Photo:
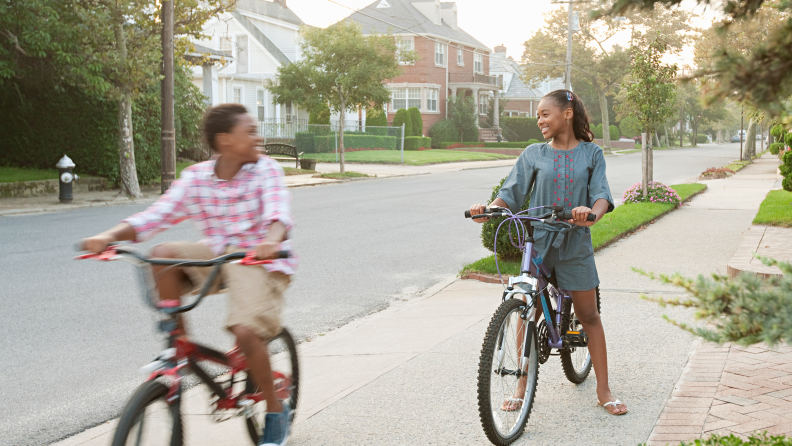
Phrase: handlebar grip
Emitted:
{"points": [[284, 254], [567, 215], [467, 214]]}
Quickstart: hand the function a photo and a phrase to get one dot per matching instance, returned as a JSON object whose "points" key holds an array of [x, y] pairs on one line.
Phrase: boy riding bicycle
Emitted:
{"points": [[239, 202]]}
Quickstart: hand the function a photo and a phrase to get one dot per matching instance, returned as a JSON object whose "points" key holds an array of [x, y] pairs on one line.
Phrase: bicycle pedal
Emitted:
{"points": [[576, 339]]}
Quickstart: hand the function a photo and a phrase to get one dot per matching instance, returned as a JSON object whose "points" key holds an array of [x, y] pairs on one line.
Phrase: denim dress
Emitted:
{"points": [[568, 178]]}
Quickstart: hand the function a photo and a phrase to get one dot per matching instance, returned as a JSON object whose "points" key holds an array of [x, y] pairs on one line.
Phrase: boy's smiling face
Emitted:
{"points": [[241, 142]]}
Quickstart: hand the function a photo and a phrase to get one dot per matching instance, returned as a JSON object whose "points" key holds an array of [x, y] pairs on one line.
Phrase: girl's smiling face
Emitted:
{"points": [[553, 120]]}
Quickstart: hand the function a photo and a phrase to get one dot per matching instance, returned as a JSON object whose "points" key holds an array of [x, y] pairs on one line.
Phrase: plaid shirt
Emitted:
{"points": [[236, 212]]}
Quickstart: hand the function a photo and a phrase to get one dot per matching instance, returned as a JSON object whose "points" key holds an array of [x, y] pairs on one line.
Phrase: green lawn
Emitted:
{"points": [[775, 210], [341, 176], [411, 157], [181, 165], [624, 219], [14, 174]]}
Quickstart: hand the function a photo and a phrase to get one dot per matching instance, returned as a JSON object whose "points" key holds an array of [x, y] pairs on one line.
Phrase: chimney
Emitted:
{"points": [[500, 49]]}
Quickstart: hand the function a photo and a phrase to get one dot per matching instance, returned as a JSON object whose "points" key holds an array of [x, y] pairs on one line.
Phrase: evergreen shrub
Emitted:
{"points": [[417, 122], [776, 147], [615, 134], [403, 117], [376, 117], [443, 131]]}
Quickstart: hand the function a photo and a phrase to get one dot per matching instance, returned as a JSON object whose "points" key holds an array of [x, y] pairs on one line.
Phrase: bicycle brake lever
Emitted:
{"points": [[250, 259], [106, 255]]}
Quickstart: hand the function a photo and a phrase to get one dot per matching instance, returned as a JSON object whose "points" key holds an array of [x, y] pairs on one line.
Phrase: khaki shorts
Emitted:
{"points": [[255, 297]]}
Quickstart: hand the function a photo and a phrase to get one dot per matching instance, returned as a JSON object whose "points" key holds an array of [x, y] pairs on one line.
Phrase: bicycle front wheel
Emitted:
{"points": [[148, 419], [506, 379], [576, 361], [286, 374]]}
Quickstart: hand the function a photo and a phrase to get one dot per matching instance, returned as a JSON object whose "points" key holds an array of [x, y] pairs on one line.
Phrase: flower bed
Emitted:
{"points": [[657, 193]]}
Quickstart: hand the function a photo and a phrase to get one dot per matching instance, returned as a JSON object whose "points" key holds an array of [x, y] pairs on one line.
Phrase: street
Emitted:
{"points": [[75, 333]]}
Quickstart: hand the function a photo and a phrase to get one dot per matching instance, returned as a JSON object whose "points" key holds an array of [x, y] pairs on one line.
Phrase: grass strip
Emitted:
{"points": [[411, 157], [14, 174], [612, 226], [775, 210], [341, 176]]}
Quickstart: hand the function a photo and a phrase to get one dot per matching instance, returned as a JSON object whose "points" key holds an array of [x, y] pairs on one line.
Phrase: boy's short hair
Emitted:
{"points": [[220, 119]]}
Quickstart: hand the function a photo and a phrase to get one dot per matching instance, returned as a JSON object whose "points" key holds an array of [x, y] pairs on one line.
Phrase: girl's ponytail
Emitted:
{"points": [[580, 120]]}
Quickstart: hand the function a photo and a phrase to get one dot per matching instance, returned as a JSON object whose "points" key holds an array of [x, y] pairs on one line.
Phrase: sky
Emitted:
{"points": [[494, 22]]}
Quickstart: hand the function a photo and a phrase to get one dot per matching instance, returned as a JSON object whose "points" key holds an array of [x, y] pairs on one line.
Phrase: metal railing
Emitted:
{"points": [[281, 128], [476, 78], [506, 133]]}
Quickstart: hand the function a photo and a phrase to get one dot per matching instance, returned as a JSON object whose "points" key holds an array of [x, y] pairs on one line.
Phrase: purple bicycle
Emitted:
{"points": [[534, 319]]}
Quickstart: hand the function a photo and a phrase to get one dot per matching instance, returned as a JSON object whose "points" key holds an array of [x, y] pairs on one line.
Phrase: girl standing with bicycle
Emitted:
{"points": [[239, 202], [569, 171]]}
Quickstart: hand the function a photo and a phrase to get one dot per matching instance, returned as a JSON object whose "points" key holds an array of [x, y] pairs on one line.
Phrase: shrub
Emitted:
{"points": [[417, 142], [656, 193], [775, 147], [778, 133], [403, 117], [788, 139], [525, 128], [508, 145], [533, 141], [506, 251], [597, 131], [714, 173], [786, 170], [630, 127], [700, 138], [304, 141], [614, 132], [443, 131], [376, 117], [417, 122]]}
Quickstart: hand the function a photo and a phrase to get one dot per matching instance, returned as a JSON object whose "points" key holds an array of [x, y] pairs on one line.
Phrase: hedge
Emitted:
{"points": [[417, 142], [776, 147], [700, 139], [510, 145], [525, 128]]}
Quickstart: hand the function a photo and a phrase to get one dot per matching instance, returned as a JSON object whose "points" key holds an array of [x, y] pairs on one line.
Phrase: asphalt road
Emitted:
{"points": [[74, 333]]}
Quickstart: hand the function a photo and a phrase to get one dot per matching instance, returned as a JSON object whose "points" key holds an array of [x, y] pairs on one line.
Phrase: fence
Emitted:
{"points": [[281, 129]]}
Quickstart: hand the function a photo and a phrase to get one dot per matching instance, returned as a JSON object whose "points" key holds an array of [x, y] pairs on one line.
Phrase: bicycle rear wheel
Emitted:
{"points": [[576, 361], [500, 372], [148, 419], [286, 373]]}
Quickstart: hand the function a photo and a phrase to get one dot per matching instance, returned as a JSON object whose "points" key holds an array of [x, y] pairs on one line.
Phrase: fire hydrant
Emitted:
{"points": [[65, 179]]}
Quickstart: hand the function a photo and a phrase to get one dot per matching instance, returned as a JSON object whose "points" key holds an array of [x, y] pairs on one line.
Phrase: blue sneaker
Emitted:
{"points": [[276, 427]]}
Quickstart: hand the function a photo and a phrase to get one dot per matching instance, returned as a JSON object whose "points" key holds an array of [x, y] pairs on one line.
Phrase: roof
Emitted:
{"points": [[264, 40], [213, 54], [271, 9], [516, 88], [402, 14]]}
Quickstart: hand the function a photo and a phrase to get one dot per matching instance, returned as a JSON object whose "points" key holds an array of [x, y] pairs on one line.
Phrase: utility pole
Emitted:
{"points": [[168, 135], [568, 73]]}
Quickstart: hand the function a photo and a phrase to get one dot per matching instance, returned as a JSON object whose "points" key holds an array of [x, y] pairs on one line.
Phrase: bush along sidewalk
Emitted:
{"points": [[626, 219]]}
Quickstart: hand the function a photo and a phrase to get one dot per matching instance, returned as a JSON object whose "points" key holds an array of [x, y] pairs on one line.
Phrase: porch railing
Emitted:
{"points": [[476, 78]]}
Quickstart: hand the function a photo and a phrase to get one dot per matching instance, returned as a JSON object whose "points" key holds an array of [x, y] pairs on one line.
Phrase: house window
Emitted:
{"points": [[431, 99], [225, 44], [440, 54], [405, 45], [483, 104], [460, 57], [260, 107], [414, 98], [399, 99], [242, 54], [237, 95], [478, 63], [289, 112]]}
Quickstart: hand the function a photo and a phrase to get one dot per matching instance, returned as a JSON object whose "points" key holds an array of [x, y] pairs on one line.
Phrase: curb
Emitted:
{"points": [[491, 278]]}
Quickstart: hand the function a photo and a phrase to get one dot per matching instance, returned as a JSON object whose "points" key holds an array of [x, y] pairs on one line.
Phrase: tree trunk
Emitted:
{"points": [[668, 142], [341, 134], [694, 135], [720, 137], [126, 142], [606, 142], [644, 165], [750, 141], [657, 139]]}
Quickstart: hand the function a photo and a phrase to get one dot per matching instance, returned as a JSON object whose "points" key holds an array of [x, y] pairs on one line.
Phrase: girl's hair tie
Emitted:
{"points": [[569, 96]]}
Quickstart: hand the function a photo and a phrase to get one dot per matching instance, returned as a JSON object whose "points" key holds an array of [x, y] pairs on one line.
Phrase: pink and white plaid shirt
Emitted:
{"points": [[236, 212]]}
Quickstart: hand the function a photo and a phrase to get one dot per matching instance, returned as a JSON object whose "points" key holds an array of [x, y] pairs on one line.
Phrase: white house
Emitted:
{"points": [[255, 39]]}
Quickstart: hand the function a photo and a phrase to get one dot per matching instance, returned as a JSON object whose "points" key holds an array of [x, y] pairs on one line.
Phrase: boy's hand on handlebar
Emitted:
{"points": [[478, 209], [579, 216], [267, 250], [96, 244]]}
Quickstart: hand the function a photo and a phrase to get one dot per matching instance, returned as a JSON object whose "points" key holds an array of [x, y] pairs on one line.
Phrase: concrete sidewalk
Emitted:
{"points": [[407, 375], [50, 203]]}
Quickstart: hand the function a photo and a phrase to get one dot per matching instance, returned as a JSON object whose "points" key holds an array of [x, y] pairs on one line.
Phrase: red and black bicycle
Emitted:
{"points": [[153, 414]]}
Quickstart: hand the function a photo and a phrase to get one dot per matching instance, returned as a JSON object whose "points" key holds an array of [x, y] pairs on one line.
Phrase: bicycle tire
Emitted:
{"points": [[489, 364], [147, 397], [576, 361], [254, 426]]}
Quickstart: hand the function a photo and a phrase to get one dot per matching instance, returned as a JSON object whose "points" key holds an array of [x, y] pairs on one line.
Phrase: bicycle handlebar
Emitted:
{"points": [[498, 212]]}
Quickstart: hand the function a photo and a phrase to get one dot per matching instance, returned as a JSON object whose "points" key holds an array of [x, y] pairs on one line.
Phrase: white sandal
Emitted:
{"points": [[615, 404], [509, 401]]}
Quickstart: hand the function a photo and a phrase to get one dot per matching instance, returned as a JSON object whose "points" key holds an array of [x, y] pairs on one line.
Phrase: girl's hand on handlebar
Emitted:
{"points": [[579, 216], [478, 209], [267, 250], [96, 244]]}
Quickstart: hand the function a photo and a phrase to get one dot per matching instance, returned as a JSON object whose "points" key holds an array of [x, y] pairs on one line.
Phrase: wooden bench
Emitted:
{"points": [[283, 150]]}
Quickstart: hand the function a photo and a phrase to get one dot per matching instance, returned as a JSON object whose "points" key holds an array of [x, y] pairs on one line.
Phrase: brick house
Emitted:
{"points": [[450, 61]]}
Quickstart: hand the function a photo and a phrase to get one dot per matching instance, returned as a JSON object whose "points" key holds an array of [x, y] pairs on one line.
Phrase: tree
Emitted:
{"points": [[761, 76], [651, 98], [321, 115], [342, 68], [463, 113], [593, 58], [376, 117], [629, 126], [696, 109]]}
